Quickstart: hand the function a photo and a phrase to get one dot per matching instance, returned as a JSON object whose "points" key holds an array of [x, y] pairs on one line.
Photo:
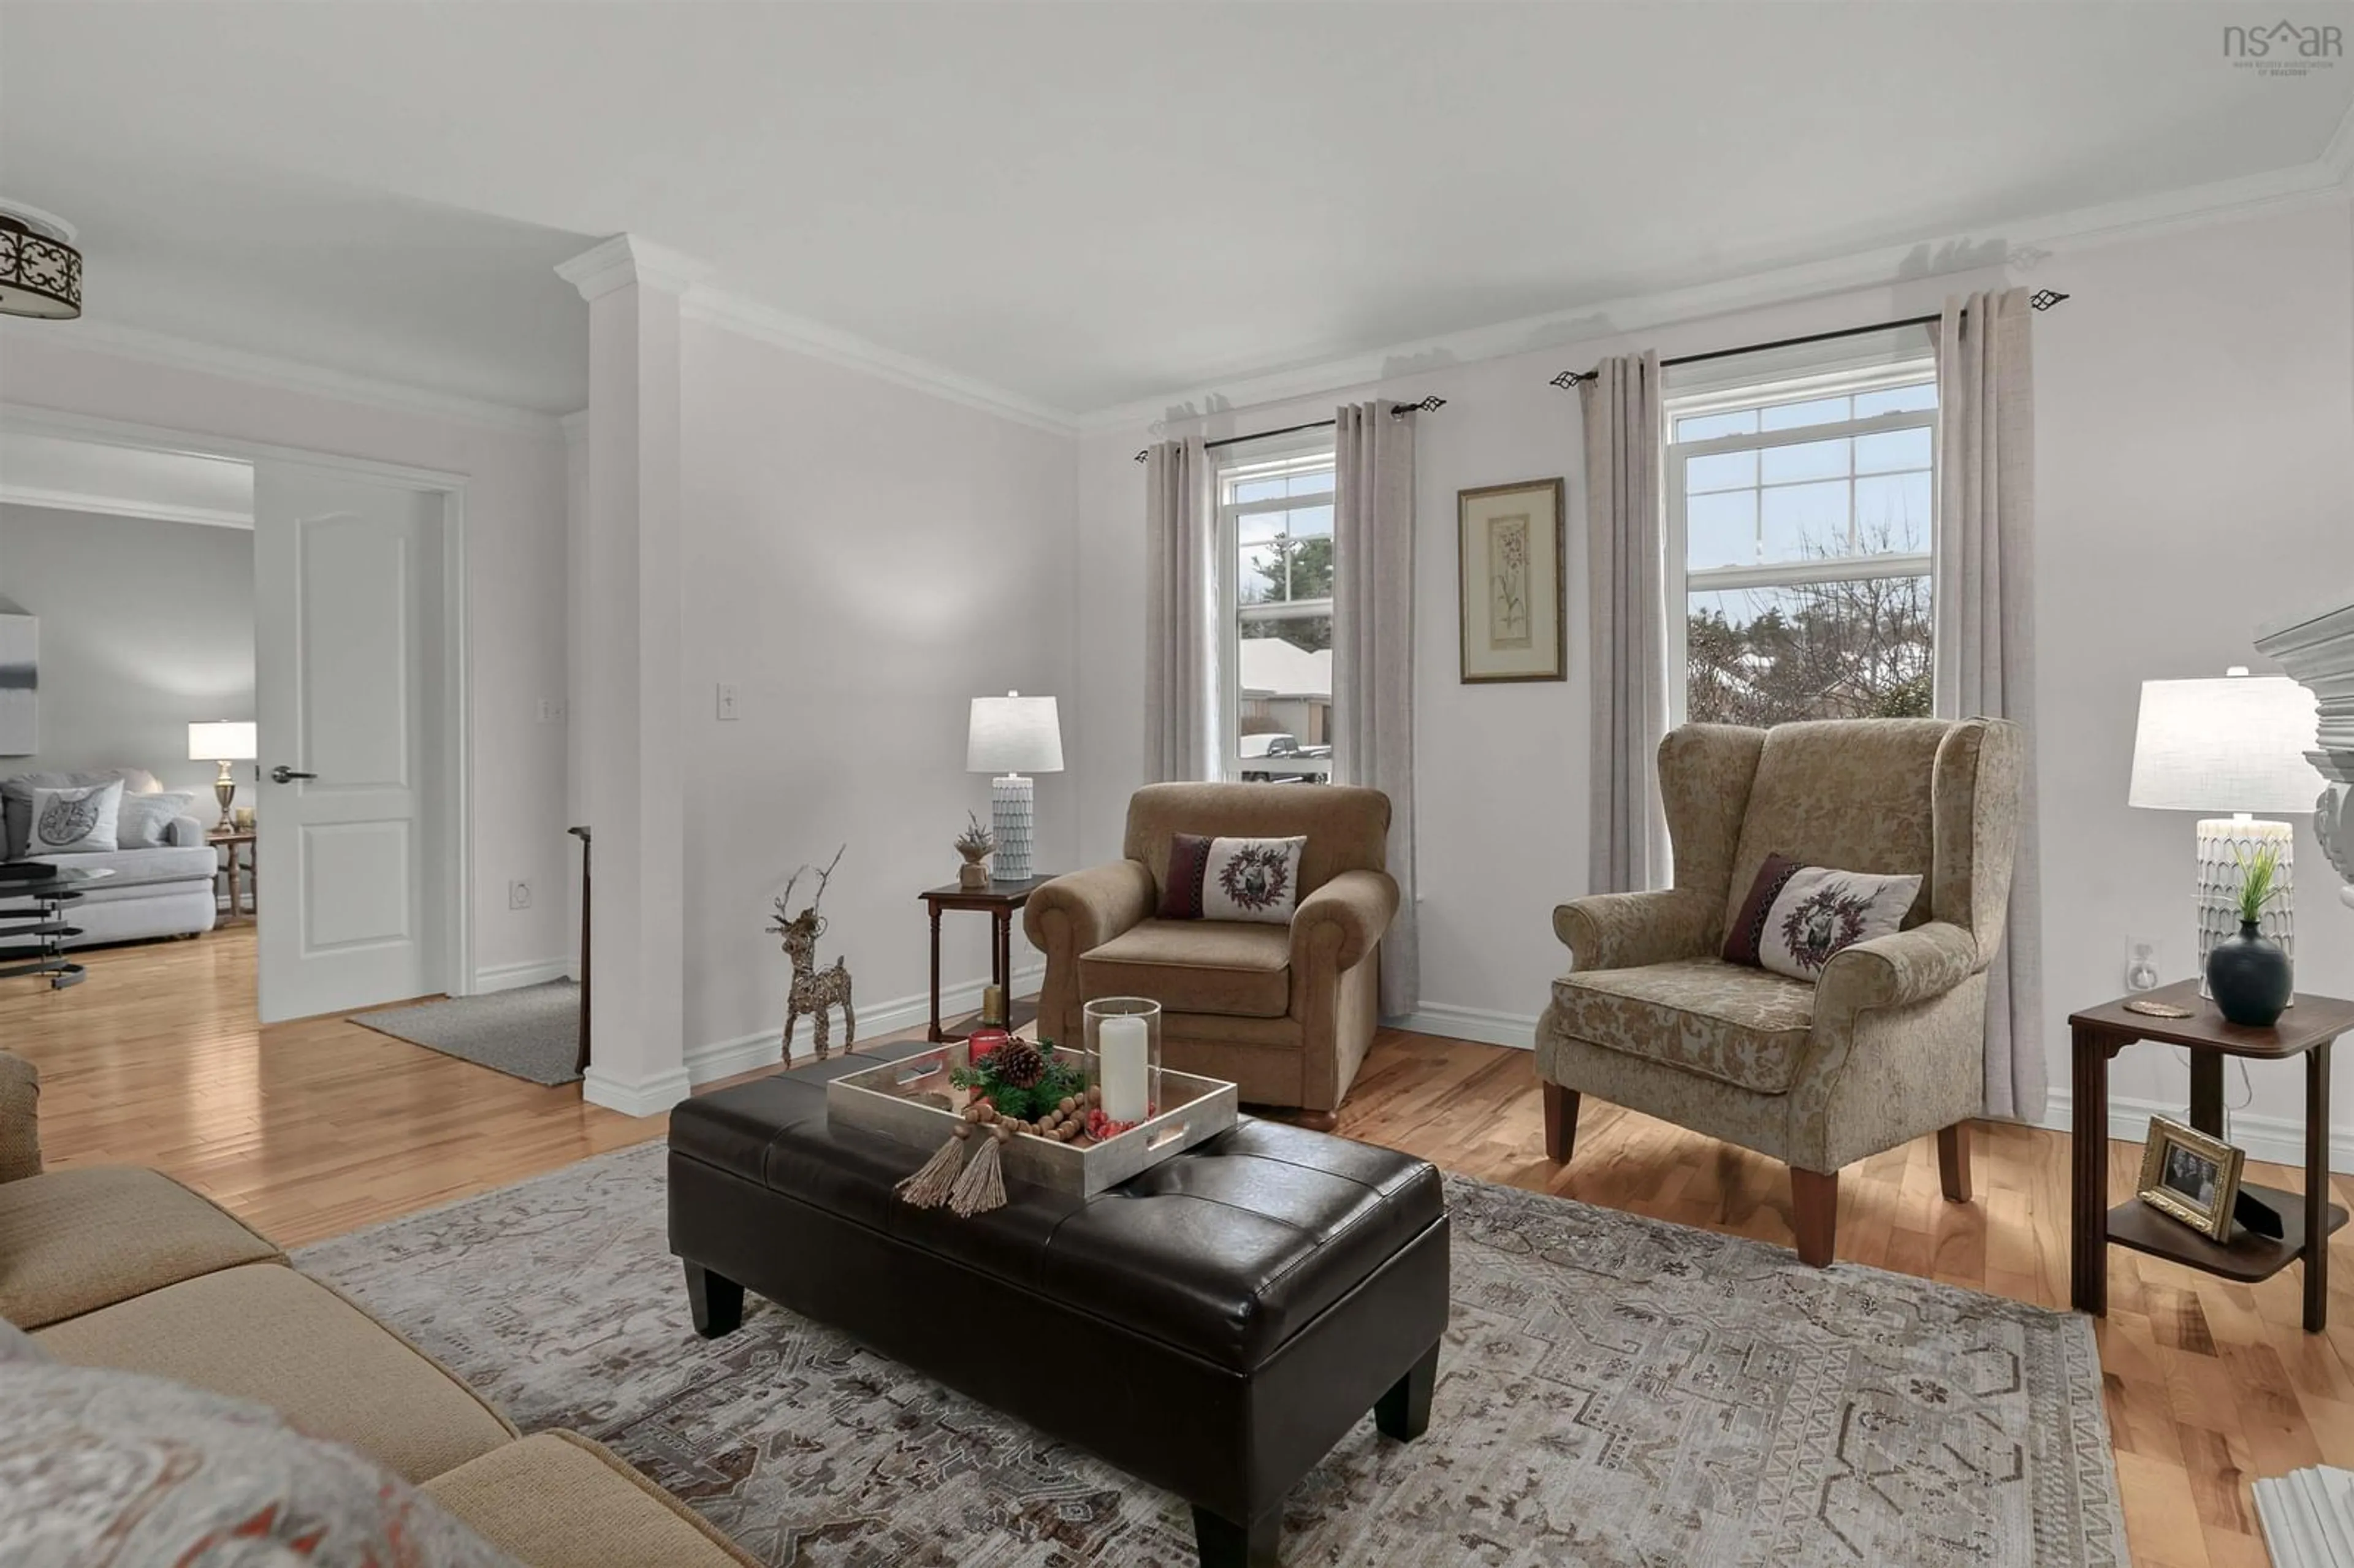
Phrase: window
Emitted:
{"points": [[1275, 530], [1800, 521]]}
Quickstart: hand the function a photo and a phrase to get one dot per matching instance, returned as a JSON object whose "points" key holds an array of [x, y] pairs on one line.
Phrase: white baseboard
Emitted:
{"points": [[2278, 1138], [507, 977], [644, 1096], [725, 1058], [1483, 1024]]}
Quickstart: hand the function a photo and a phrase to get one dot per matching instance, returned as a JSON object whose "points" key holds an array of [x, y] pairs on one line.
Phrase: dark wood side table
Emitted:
{"points": [[227, 840], [2100, 1033], [1000, 900]]}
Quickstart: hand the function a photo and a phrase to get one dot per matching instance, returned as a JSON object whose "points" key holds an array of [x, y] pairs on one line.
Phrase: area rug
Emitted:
{"points": [[532, 1032], [1614, 1393]]}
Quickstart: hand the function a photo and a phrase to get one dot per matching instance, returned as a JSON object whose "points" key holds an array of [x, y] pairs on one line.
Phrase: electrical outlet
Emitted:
{"points": [[726, 699], [551, 710], [2141, 963], [518, 894]]}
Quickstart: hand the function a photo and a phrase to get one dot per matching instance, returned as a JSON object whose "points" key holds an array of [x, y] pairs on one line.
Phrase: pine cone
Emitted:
{"points": [[1017, 1062]]}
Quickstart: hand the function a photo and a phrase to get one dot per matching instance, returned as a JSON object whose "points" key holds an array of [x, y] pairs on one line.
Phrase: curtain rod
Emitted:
{"points": [[1397, 411], [2042, 299]]}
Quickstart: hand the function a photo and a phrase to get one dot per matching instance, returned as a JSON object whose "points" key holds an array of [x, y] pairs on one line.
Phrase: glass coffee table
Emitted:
{"points": [[33, 926]]}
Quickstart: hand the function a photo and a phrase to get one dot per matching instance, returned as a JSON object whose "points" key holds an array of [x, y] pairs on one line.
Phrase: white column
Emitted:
{"points": [[630, 718], [2317, 652]]}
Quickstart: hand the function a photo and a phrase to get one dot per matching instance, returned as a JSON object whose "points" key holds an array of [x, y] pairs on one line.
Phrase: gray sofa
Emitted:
{"points": [[162, 890]]}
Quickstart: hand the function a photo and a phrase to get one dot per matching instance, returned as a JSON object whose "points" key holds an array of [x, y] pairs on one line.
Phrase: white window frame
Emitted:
{"points": [[1681, 582], [1276, 457]]}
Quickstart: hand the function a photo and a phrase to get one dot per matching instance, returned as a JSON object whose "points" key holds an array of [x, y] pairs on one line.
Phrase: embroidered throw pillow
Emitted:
{"points": [[1796, 916], [113, 1467], [1232, 879], [77, 820]]}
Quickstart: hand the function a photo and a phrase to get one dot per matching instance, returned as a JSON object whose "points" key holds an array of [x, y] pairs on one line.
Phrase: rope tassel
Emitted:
{"points": [[930, 1186], [983, 1186]]}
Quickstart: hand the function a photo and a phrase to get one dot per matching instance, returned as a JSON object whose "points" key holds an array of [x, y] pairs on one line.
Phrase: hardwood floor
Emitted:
{"points": [[312, 1129], [305, 1129]]}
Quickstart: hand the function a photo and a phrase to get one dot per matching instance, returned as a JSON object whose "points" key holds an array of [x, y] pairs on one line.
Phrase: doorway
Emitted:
{"points": [[358, 844]]}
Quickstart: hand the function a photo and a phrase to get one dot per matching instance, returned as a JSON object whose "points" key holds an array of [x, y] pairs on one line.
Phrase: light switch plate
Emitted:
{"points": [[726, 699]]}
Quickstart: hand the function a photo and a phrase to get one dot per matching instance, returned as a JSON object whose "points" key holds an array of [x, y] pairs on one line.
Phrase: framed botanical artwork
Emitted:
{"points": [[1510, 540], [2188, 1176]]}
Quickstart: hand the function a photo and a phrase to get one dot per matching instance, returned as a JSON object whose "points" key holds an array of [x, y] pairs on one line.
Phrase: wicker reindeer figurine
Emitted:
{"points": [[813, 990]]}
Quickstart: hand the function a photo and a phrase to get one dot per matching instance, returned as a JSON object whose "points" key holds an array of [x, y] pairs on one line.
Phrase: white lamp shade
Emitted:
{"points": [[1014, 733], [2237, 744], [221, 740]]}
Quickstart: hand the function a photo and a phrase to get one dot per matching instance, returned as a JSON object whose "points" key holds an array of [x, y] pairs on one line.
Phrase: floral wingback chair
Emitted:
{"points": [[1888, 1042]]}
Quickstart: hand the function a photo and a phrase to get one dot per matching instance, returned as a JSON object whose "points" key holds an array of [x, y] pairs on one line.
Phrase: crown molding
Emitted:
{"points": [[286, 375], [115, 506], [628, 258], [765, 323], [2026, 243]]}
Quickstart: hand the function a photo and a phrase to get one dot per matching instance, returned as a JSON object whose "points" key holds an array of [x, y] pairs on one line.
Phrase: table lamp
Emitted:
{"points": [[2233, 745], [1011, 735], [223, 741]]}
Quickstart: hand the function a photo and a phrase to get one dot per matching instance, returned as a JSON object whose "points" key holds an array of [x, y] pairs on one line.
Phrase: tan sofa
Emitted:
{"points": [[1285, 1012], [1889, 1043], [124, 1267]]}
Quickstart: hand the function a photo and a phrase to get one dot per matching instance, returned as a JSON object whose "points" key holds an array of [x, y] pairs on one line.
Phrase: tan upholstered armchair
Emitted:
{"points": [[1889, 1043], [1285, 1012]]}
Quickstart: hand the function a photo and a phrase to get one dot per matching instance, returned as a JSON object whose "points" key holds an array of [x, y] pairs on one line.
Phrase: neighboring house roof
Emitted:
{"points": [[1272, 667]]}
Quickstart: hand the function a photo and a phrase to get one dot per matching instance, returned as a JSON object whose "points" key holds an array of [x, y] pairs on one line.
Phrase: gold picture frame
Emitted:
{"points": [[1511, 579], [2188, 1176]]}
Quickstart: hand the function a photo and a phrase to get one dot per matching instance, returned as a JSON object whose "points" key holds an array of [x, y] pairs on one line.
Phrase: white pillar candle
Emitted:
{"points": [[1123, 1059]]}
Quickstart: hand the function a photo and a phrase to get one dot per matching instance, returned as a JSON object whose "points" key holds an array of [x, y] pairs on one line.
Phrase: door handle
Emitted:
{"points": [[281, 774]]}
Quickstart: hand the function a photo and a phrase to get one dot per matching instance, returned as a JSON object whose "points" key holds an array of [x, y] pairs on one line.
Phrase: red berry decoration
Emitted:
{"points": [[1100, 1126]]}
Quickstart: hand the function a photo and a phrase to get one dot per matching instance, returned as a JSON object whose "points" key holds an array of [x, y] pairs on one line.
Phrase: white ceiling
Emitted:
{"points": [[1084, 204], [123, 481]]}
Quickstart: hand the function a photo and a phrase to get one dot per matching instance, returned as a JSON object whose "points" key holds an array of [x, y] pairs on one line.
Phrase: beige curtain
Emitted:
{"points": [[1373, 650], [1181, 608], [1626, 633], [1984, 646]]}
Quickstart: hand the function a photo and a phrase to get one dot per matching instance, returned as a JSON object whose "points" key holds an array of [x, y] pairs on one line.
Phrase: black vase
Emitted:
{"points": [[2249, 976]]}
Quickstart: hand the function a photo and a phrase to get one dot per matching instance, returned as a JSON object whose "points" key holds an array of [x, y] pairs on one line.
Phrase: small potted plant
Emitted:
{"points": [[2249, 974], [976, 844]]}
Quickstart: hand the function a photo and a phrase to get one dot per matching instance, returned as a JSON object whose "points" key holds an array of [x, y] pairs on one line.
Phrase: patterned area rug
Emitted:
{"points": [[1614, 1393]]}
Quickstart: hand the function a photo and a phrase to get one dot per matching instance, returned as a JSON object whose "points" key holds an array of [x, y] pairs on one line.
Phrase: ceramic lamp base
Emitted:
{"points": [[1009, 807], [2223, 844]]}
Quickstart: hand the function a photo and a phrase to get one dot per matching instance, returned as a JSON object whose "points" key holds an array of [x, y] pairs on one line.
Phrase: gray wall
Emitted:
{"points": [[144, 627]]}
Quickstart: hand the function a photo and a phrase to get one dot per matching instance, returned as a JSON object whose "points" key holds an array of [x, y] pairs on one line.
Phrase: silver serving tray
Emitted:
{"points": [[911, 1101]]}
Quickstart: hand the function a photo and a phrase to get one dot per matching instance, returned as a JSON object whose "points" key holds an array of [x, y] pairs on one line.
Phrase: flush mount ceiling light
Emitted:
{"points": [[40, 271]]}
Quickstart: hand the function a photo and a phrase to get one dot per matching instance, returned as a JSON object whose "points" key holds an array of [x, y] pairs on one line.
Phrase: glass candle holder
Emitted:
{"points": [[1123, 1039]]}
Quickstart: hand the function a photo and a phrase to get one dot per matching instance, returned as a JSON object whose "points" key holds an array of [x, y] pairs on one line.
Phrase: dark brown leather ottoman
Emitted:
{"points": [[1237, 1309]]}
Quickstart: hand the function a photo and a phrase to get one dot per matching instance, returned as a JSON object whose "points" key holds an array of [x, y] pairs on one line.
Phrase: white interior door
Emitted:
{"points": [[348, 691]]}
